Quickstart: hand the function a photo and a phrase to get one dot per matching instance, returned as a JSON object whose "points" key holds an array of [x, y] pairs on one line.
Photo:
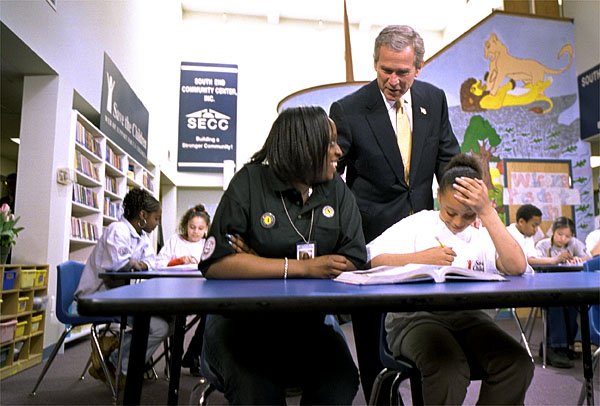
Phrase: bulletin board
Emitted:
{"points": [[546, 184]]}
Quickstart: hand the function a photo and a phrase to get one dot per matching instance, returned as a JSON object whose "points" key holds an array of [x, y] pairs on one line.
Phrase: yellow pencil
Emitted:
{"points": [[439, 242]]}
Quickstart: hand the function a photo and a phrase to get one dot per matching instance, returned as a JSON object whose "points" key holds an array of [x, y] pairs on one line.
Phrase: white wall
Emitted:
{"points": [[587, 31], [142, 41]]}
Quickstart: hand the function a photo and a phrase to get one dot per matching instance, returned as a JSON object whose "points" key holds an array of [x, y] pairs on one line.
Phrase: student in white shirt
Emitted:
{"points": [[561, 326], [592, 243], [447, 345], [125, 246], [185, 247], [524, 230]]}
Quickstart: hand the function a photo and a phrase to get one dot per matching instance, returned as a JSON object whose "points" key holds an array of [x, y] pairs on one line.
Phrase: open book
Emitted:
{"points": [[414, 273]]}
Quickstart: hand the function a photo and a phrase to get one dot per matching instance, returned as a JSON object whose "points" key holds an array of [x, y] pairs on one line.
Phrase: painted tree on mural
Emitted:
{"points": [[481, 140]]}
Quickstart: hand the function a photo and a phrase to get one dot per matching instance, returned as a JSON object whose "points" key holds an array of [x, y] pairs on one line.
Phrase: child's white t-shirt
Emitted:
{"points": [[526, 243], [474, 247], [176, 247]]}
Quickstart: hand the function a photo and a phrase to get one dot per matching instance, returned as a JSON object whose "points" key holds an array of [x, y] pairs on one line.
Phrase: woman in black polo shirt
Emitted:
{"points": [[295, 213]]}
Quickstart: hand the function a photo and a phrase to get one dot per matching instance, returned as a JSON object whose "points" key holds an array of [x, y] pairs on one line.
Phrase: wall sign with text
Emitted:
{"points": [[207, 116], [123, 117]]}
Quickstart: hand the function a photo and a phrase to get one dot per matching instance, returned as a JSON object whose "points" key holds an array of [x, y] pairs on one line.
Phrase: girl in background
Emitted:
{"points": [[185, 247], [125, 246], [561, 248]]}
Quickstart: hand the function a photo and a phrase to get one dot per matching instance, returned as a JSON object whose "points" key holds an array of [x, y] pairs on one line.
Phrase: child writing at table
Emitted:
{"points": [[185, 247], [125, 246], [447, 345], [561, 327], [525, 228]]}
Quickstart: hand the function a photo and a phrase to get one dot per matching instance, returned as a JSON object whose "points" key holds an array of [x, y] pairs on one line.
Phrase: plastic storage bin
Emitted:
{"points": [[27, 278], [8, 282], [4, 356], [35, 323], [40, 278], [22, 304], [20, 330], [7, 330]]}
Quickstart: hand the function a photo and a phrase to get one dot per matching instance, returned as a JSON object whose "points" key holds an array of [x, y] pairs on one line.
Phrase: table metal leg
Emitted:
{"points": [[176, 354], [544, 336], [137, 360], [513, 311], [588, 371]]}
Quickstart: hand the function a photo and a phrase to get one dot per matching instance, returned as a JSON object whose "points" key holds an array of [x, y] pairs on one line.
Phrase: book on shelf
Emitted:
{"points": [[85, 195], [414, 273], [85, 166], [87, 139]]}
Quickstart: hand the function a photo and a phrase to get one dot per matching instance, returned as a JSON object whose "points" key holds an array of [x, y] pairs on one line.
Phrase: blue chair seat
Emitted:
{"points": [[68, 276]]}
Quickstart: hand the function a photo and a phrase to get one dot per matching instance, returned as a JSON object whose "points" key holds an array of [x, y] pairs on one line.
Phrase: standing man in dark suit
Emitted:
{"points": [[391, 114]]}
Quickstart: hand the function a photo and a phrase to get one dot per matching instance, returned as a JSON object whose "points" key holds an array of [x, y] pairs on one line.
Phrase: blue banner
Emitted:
{"points": [[123, 117], [589, 102], [207, 116]]}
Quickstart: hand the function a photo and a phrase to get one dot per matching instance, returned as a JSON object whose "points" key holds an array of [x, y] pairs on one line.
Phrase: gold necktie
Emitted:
{"points": [[404, 136]]}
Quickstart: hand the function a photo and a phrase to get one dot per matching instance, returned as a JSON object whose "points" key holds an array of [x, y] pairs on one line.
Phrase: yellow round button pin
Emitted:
{"points": [[267, 220]]}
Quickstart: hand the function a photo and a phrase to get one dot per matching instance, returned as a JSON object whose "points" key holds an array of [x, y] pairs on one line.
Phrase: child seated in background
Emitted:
{"points": [[528, 220], [126, 247], [185, 247], [447, 345], [592, 243], [561, 248]]}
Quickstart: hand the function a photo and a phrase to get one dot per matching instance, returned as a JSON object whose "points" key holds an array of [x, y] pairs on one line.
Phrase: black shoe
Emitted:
{"points": [[193, 363], [557, 358]]}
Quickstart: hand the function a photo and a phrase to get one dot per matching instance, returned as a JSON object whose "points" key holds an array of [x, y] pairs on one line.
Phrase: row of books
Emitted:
{"points": [[114, 159], [85, 195], [84, 230], [147, 182], [111, 184], [87, 139], [85, 166], [112, 209]]}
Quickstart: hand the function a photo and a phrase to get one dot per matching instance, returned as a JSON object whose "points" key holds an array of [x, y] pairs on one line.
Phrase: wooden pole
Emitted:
{"points": [[348, 48]]}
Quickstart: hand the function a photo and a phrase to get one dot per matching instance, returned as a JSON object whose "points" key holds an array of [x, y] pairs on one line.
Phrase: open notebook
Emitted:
{"points": [[414, 273]]}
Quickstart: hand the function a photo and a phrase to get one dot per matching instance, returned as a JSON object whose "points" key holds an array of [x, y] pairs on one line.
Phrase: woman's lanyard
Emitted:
{"points": [[306, 250]]}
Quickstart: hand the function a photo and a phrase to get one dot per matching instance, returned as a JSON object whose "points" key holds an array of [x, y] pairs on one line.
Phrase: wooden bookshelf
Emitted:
{"points": [[24, 297]]}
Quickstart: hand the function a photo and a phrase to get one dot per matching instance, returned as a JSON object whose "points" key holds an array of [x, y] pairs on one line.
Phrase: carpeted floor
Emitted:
{"points": [[61, 386]]}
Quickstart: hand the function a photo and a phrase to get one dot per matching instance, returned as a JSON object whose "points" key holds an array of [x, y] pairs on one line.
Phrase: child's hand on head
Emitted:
{"points": [[472, 193]]}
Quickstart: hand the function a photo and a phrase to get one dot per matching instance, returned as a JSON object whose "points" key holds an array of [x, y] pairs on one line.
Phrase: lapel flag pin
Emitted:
{"points": [[423, 111]]}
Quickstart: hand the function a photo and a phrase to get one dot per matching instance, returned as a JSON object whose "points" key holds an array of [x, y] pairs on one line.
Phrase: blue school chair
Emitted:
{"points": [[592, 265], [68, 276], [396, 369], [400, 369]]}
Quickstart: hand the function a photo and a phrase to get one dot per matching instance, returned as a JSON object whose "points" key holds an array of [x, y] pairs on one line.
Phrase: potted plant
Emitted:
{"points": [[8, 231]]}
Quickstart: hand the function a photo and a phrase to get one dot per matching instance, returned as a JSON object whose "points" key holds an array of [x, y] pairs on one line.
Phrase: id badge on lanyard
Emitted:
{"points": [[306, 250]]}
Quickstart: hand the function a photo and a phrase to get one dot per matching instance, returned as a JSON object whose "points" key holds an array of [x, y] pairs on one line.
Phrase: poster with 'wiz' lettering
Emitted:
{"points": [[207, 116]]}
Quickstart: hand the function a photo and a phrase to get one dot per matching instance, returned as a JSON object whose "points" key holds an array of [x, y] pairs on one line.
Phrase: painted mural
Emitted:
{"points": [[511, 86]]}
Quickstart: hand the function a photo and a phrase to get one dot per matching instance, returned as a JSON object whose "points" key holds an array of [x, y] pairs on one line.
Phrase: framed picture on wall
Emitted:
{"points": [[546, 184]]}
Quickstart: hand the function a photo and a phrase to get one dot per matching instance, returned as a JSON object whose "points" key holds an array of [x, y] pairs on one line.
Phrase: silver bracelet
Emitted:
{"points": [[285, 268]]}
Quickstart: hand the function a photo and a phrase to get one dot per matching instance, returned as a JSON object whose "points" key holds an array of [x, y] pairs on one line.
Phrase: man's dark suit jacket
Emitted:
{"points": [[374, 169]]}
